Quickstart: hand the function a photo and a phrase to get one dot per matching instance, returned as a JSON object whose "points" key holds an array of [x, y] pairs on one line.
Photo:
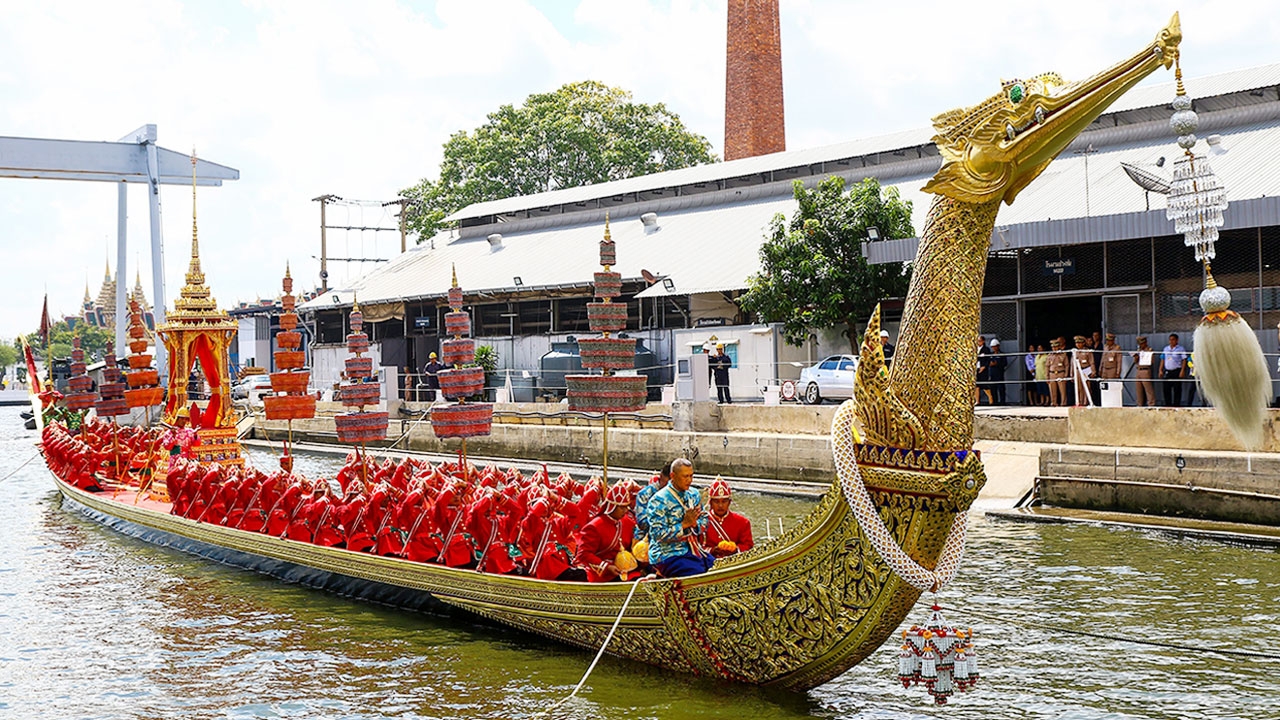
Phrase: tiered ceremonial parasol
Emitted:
{"points": [[111, 403], [82, 396], [607, 392], [359, 390], [291, 400], [462, 380], [143, 379]]}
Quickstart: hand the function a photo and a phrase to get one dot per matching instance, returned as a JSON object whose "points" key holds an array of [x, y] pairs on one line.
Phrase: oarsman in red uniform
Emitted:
{"points": [[423, 542], [724, 525], [206, 494], [545, 536], [288, 504], [457, 546], [326, 529], [608, 533], [354, 509], [303, 525], [487, 524]]}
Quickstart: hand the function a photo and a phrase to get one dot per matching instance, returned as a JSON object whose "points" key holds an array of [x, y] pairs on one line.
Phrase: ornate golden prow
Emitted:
{"points": [[990, 152], [884, 419], [994, 149]]}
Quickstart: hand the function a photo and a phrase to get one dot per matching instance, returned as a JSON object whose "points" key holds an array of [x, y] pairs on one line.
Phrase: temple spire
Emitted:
{"points": [[195, 243]]}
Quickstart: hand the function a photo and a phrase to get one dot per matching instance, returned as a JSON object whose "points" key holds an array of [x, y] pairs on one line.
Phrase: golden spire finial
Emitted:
{"points": [[355, 303], [195, 243], [106, 276], [1177, 71], [455, 275], [286, 269], [606, 227]]}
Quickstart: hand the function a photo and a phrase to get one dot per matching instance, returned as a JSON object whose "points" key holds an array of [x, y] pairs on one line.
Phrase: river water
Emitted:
{"points": [[97, 625]]}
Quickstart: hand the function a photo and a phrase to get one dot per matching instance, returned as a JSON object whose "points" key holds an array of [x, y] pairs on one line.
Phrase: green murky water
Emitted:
{"points": [[97, 625]]}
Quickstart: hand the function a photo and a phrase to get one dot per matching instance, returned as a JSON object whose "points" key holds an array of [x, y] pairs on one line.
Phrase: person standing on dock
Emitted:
{"points": [[1174, 363], [676, 524], [431, 376], [996, 364], [887, 347], [1059, 369], [1143, 364], [720, 365], [1111, 361], [1085, 371]]}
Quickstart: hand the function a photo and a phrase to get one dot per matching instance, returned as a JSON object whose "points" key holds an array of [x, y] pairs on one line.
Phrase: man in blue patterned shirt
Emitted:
{"points": [[642, 500], [676, 522]]}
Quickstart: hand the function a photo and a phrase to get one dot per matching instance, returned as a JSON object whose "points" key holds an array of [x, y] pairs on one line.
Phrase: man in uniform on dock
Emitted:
{"points": [[431, 376], [720, 365], [676, 525]]}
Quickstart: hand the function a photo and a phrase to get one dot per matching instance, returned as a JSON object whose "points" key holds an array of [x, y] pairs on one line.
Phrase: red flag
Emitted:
{"points": [[44, 322], [33, 376]]}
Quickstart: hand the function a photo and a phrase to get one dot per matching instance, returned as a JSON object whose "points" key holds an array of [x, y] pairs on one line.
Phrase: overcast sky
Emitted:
{"points": [[356, 99]]}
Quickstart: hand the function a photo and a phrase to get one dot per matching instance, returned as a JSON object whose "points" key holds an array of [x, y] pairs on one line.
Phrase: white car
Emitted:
{"points": [[829, 379], [250, 386]]}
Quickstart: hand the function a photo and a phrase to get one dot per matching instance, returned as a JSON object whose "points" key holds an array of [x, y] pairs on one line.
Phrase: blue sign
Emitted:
{"points": [[422, 321], [1063, 266]]}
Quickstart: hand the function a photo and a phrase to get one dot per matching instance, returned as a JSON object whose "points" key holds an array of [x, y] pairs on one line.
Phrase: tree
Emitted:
{"points": [[582, 133], [93, 340], [8, 356], [812, 272]]}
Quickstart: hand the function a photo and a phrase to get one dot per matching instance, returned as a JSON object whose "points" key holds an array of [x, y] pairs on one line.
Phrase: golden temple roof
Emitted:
{"points": [[195, 305]]}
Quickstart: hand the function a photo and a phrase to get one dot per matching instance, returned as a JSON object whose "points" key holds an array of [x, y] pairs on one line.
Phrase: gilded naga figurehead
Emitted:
{"points": [[994, 149]]}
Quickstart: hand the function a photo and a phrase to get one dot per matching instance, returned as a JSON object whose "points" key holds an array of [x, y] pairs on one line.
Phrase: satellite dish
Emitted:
{"points": [[1146, 179], [648, 276]]}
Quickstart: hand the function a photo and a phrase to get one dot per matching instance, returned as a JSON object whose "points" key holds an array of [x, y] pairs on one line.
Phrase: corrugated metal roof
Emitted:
{"points": [[1055, 209], [1156, 97], [710, 243], [700, 250], [715, 248]]}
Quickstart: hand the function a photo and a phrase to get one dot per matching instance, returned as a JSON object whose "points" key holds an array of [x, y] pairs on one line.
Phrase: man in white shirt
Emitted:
{"points": [[1174, 365]]}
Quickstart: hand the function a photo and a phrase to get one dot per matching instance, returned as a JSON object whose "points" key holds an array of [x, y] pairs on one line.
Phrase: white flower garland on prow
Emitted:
{"points": [[843, 437]]}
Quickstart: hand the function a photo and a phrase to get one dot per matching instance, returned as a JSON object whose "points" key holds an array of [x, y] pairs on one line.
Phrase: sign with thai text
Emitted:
{"points": [[1061, 266]]}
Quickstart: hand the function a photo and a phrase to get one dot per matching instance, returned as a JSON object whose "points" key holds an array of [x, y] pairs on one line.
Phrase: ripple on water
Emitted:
{"points": [[99, 625]]}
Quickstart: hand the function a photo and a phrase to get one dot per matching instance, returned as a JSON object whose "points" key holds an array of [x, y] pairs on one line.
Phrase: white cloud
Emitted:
{"points": [[356, 100]]}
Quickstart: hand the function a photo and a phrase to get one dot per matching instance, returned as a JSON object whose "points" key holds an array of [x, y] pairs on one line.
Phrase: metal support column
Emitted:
{"points": [[122, 286], [157, 253]]}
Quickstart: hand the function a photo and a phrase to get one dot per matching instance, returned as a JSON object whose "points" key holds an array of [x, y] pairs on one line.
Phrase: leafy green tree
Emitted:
{"points": [[8, 356], [812, 272], [582, 133], [93, 340]]}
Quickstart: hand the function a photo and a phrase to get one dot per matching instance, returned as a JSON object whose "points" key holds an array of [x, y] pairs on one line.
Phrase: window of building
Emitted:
{"points": [[1002, 274], [330, 326], [533, 317], [1088, 263], [1129, 262]]}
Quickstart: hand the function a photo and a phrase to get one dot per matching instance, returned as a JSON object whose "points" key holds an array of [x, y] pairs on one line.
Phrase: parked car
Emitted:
{"points": [[250, 385], [829, 379]]}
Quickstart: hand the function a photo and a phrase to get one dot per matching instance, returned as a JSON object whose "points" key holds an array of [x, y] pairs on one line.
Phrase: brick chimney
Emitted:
{"points": [[753, 117]]}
